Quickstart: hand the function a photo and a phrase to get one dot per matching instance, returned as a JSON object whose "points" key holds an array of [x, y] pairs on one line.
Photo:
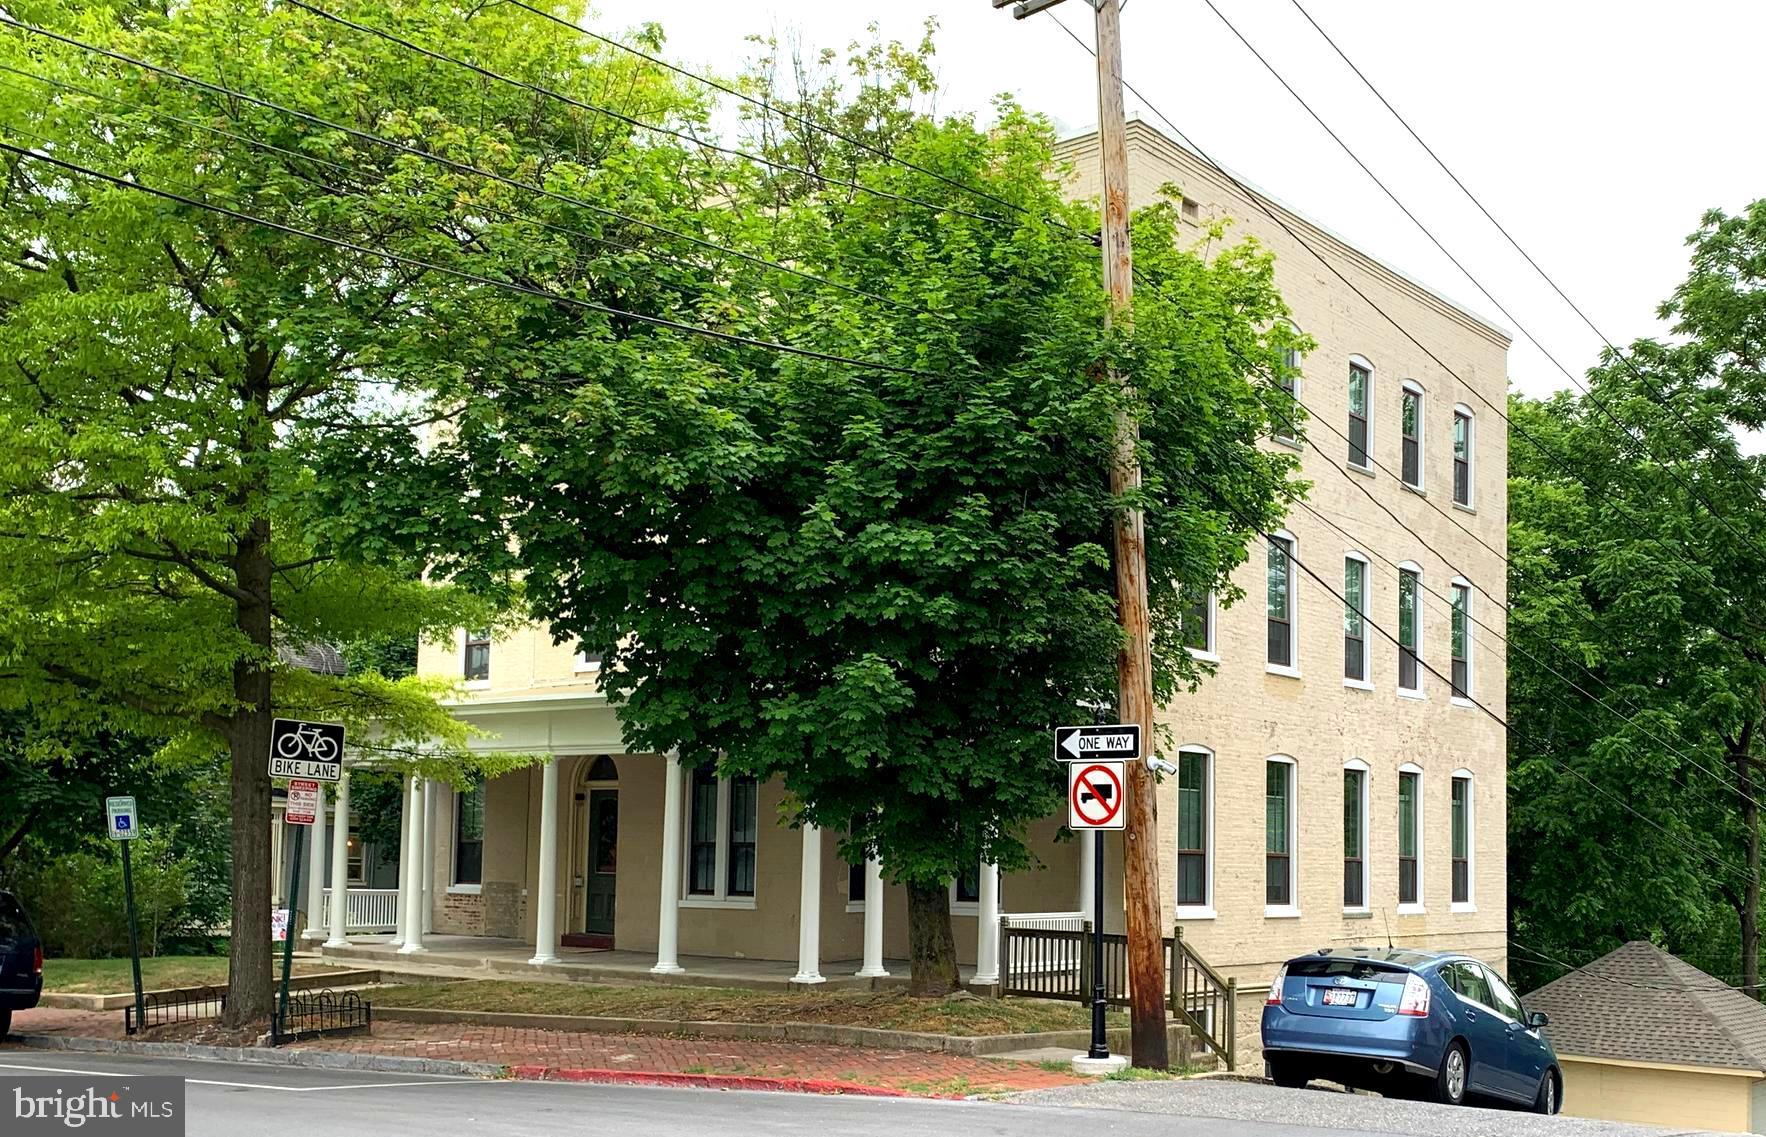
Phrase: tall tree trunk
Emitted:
{"points": [[932, 951], [250, 990], [1750, 907]]}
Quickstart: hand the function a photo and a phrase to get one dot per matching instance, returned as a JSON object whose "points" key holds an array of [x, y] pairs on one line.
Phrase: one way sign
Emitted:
{"points": [[1121, 742]]}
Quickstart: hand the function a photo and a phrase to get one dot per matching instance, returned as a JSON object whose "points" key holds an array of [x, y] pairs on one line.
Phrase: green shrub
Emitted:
{"points": [[76, 899]]}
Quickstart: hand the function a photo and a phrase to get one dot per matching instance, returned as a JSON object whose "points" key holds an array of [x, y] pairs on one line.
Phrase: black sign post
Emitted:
{"points": [[300, 749], [300, 833], [1100, 1046], [125, 827]]}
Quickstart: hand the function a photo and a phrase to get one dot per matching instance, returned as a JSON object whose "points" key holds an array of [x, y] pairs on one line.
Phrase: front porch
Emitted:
{"points": [[449, 956]]}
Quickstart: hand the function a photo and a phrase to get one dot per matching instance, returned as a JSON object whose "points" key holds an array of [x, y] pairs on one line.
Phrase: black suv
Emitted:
{"points": [[21, 961]]}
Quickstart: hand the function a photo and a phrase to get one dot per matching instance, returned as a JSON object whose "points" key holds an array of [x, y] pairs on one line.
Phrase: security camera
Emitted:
{"points": [[1160, 765]]}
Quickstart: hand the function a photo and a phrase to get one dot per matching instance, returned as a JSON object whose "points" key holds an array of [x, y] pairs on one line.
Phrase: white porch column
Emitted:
{"points": [[419, 840], [407, 858], [315, 872], [430, 796], [545, 940], [987, 930], [1088, 873], [668, 928], [340, 867], [809, 910], [873, 968]]}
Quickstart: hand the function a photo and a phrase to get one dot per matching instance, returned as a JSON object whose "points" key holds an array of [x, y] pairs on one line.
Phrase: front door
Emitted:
{"points": [[603, 861]]}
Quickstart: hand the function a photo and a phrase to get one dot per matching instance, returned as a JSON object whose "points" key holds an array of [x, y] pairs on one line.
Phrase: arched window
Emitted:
{"points": [[1461, 638], [1283, 606], [1280, 836], [1355, 818], [1356, 672], [1361, 413], [1410, 429], [1195, 833], [1410, 629], [1464, 847], [1463, 453], [1410, 838]]}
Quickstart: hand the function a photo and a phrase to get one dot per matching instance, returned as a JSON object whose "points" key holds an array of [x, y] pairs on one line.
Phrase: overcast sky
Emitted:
{"points": [[1597, 133]]}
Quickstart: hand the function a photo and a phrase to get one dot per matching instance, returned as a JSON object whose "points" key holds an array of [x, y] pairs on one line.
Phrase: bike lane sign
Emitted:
{"points": [[301, 749]]}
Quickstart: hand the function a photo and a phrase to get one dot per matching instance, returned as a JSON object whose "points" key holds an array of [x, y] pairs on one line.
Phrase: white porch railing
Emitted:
{"points": [[1045, 921], [368, 909], [1059, 957]]}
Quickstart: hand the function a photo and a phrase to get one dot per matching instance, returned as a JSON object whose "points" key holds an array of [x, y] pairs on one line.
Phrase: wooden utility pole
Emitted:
{"points": [[1134, 665]]}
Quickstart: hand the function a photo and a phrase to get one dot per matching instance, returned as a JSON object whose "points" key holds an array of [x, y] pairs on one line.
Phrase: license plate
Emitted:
{"points": [[1340, 997]]}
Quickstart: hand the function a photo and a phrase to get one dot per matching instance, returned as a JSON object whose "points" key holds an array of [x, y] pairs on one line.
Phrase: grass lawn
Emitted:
{"points": [[888, 1010], [106, 976]]}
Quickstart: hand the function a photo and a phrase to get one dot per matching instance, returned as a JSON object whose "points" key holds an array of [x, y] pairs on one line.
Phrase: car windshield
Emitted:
{"points": [[1351, 968], [12, 918]]}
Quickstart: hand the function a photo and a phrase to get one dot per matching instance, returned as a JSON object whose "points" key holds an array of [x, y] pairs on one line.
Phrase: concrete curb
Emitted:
{"points": [[978, 1046], [116, 1001], [263, 1056], [713, 1082]]}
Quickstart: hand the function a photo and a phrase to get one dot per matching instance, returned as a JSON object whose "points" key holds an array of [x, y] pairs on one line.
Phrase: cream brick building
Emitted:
{"points": [[603, 847]]}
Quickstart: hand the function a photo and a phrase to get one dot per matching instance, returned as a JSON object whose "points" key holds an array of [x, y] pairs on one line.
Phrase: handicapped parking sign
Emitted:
{"points": [[121, 811]]}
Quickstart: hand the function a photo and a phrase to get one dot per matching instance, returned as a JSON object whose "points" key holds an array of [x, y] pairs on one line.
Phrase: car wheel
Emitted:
{"points": [[1548, 1100], [1287, 1073], [1450, 1080]]}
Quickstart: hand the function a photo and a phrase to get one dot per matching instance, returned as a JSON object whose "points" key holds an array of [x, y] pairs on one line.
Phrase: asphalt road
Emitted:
{"points": [[230, 1099]]}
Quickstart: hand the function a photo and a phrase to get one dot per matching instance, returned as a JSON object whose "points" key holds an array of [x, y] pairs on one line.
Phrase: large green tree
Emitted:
{"points": [[1635, 574], [882, 578], [167, 369]]}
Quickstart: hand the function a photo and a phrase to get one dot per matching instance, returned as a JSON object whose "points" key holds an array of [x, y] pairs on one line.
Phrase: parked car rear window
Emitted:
{"points": [[12, 918], [1353, 968]]}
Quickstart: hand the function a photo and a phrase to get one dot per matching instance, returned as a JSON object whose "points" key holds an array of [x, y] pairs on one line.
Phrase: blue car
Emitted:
{"points": [[1386, 1020], [21, 962]]}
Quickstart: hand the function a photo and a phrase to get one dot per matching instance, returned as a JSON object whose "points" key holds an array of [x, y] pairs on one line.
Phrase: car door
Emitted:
{"points": [[1482, 1026], [1523, 1050]]}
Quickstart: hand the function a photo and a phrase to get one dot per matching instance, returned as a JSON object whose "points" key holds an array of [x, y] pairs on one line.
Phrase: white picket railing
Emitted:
{"points": [[1060, 957], [368, 909], [1046, 921]]}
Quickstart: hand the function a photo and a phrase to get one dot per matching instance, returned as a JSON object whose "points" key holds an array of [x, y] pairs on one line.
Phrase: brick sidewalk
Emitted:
{"points": [[624, 1057]]}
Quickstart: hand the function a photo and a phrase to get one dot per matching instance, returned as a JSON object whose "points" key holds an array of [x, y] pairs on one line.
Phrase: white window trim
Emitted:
{"points": [[1299, 378], [1471, 780], [454, 851], [1290, 910], [1367, 782], [1416, 692], [720, 897], [1411, 386], [585, 665], [1366, 365], [460, 662], [1291, 670], [1205, 910], [1470, 505], [1471, 666], [1210, 653], [1420, 906], [1367, 661]]}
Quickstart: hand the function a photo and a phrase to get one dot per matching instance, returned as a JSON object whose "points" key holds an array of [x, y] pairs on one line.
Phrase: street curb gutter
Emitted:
{"points": [[711, 1082], [116, 1001], [263, 1056]]}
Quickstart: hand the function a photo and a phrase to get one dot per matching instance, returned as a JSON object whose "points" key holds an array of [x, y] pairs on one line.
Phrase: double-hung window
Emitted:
{"points": [[469, 836], [1410, 806], [1410, 629], [1288, 414], [1355, 619], [1462, 456], [1355, 837], [1462, 640], [722, 831], [1360, 395], [1462, 840], [1410, 428], [1278, 837], [1281, 602], [1195, 825], [476, 654], [1198, 626]]}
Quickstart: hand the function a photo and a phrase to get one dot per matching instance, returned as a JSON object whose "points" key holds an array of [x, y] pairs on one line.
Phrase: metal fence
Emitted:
{"points": [[316, 1014], [1055, 963], [162, 1008]]}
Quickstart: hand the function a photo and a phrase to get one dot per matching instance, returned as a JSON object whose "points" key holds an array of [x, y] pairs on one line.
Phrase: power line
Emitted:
{"points": [[791, 116], [638, 123], [476, 278], [1624, 428], [1289, 557], [1665, 402], [449, 163], [1257, 200], [1588, 969]]}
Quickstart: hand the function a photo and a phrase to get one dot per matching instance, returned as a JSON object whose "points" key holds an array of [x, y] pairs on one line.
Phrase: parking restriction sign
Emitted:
{"points": [[1094, 795]]}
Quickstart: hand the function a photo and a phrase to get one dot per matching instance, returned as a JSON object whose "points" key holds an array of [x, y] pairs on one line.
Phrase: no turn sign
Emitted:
{"points": [[1094, 795]]}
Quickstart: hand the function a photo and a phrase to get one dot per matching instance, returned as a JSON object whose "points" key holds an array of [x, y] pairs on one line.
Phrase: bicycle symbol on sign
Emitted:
{"points": [[306, 741]]}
